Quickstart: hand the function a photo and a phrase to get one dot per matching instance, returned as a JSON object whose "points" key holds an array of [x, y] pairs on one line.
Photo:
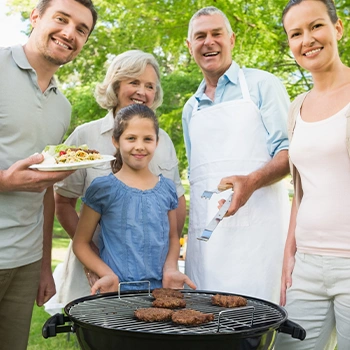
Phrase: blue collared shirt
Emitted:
{"points": [[266, 91], [134, 240]]}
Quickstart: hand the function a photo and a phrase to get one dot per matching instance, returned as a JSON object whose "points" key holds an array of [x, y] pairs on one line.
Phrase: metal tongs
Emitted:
{"points": [[219, 215]]}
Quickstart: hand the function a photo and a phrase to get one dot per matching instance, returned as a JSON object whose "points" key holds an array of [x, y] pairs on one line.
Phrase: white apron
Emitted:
{"points": [[245, 252]]}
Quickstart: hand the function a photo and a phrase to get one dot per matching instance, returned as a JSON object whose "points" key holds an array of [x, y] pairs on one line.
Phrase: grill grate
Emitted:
{"points": [[117, 312]]}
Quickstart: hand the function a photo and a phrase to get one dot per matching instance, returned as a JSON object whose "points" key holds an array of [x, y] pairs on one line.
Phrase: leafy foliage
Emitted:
{"points": [[160, 27]]}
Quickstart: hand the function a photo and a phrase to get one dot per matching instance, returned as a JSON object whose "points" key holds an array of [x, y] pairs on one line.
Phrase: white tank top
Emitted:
{"points": [[319, 152]]}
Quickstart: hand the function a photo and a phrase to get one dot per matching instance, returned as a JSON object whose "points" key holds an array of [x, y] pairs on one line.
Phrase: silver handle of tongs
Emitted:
{"points": [[208, 193], [216, 220]]}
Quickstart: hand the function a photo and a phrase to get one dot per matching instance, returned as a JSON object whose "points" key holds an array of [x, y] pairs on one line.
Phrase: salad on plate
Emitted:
{"points": [[62, 157], [63, 154]]}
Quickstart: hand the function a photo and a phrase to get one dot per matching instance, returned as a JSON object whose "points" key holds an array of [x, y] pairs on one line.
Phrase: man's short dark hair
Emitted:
{"points": [[44, 4]]}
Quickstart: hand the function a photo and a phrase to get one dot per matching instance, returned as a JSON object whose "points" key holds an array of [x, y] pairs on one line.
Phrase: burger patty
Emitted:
{"points": [[153, 314], [169, 302], [228, 300], [166, 292], [191, 317]]}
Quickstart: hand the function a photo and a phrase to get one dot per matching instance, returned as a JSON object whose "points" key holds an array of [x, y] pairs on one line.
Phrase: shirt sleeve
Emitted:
{"points": [[99, 194], [174, 202], [165, 162], [274, 103], [91, 198]]}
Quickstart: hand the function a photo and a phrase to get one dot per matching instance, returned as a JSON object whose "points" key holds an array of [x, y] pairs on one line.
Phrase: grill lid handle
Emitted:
{"points": [[52, 326], [292, 328]]}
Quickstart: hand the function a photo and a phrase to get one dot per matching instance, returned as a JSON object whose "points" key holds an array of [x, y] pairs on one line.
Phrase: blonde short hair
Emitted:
{"points": [[128, 65]]}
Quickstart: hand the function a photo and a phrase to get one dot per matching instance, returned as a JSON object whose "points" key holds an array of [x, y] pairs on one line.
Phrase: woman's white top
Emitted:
{"points": [[318, 150]]}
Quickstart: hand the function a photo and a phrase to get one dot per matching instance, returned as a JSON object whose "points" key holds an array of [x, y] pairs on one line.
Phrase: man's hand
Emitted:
{"points": [[46, 289], [18, 177], [243, 188], [245, 185]]}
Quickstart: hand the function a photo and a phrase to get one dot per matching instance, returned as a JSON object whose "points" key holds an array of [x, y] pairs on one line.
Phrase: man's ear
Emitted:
{"points": [[189, 46], [233, 40], [33, 17]]}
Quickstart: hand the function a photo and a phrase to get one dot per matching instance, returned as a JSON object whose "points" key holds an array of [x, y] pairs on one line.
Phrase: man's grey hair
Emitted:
{"points": [[208, 11]]}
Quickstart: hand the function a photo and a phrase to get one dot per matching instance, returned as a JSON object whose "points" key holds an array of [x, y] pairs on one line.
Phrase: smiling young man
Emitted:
{"points": [[33, 113], [235, 134]]}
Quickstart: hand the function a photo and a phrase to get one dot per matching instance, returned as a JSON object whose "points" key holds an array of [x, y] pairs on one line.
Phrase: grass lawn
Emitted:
{"points": [[38, 342], [40, 316]]}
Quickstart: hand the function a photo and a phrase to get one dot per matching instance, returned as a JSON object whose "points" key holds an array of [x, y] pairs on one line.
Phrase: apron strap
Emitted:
{"points": [[243, 84]]}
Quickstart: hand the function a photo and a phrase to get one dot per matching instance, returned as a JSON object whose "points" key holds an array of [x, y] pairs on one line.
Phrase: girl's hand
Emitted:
{"points": [[107, 283], [286, 281], [91, 276], [176, 280]]}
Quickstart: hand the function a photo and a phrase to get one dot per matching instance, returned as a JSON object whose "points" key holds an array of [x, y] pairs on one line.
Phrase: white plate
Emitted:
{"points": [[72, 166]]}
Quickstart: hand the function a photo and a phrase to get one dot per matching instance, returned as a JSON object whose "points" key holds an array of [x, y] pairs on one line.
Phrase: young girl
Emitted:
{"points": [[316, 269], [136, 212], [132, 77]]}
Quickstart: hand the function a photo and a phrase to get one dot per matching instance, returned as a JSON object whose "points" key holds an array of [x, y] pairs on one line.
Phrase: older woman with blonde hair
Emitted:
{"points": [[132, 77]]}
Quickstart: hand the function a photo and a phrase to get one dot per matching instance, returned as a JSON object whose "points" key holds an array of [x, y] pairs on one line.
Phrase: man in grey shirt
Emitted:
{"points": [[33, 113]]}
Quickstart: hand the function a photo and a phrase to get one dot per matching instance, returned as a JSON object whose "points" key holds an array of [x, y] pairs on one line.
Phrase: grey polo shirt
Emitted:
{"points": [[29, 120]]}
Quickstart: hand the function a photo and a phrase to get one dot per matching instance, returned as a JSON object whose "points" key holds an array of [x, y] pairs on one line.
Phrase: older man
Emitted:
{"points": [[236, 135]]}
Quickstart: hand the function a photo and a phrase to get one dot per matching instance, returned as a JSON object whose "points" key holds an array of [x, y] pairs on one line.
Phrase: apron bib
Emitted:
{"points": [[244, 254]]}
